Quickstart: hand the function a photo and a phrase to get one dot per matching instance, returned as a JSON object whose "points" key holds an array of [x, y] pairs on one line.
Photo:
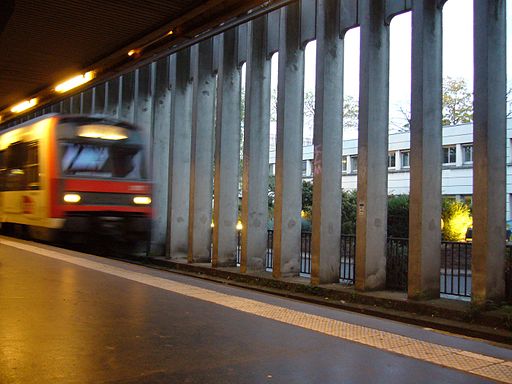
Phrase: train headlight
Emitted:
{"points": [[142, 200], [72, 198]]}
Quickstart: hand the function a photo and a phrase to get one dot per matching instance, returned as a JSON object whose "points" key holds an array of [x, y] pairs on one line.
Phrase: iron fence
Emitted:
{"points": [[238, 246], [305, 253], [397, 263], [508, 273], [347, 259], [270, 249], [456, 268], [456, 274]]}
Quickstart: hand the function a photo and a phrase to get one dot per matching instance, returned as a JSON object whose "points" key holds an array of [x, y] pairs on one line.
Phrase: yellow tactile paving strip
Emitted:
{"points": [[477, 364]]}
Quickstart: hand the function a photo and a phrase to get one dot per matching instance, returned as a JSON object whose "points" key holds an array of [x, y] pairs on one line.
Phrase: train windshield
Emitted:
{"points": [[97, 160]]}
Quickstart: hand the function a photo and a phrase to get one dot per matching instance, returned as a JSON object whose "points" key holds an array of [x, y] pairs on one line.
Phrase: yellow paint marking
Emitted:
{"points": [[469, 362]]}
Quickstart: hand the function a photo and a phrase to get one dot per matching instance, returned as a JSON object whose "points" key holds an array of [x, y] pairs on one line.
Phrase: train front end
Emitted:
{"points": [[99, 183]]}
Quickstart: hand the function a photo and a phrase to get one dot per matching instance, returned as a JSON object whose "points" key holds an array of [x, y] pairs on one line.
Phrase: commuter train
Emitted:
{"points": [[74, 178]]}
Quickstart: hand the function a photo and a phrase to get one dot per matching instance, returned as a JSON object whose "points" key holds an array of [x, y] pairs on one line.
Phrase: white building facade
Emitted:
{"points": [[457, 176]]}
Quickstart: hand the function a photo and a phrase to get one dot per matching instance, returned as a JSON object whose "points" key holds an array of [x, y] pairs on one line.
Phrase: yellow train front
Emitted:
{"points": [[78, 178]]}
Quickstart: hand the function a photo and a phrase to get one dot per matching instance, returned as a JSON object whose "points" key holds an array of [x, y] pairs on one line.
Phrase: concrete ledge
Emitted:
{"points": [[442, 314]]}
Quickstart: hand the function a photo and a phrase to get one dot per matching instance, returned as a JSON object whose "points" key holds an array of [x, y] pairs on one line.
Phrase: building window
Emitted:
{"points": [[304, 167], [353, 163], [467, 150], [391, 160], [405, 159], [449, 154], [344, 162]]}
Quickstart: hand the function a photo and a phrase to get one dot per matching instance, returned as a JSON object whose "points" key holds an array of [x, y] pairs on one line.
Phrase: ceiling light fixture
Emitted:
{"points": [[75, 82], [24, 105]]}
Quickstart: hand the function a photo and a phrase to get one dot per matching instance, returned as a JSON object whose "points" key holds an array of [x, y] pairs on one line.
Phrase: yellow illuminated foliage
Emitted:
{"points": [[456, 219]]}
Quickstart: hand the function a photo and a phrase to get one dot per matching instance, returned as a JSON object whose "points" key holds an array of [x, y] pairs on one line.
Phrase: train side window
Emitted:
{"points": [[31, 166], [15, 158], [3, 170]]}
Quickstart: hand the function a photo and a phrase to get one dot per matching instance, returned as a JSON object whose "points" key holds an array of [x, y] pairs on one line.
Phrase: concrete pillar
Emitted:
{"points": [[327, 140], [99, 93], [290, 100], [426, 152], [489, 133], [256, 142], [372, 171], [160, 156], [201, 171], [112, 97], [179, 154], [227, 153], [143, 108], [127, 97]]}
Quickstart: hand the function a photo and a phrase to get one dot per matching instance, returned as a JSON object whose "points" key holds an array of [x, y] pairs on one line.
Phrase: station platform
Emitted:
{"points": [[70, 317]]}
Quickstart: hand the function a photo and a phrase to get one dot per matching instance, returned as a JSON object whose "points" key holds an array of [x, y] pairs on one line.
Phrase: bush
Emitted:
{"points": [[398, 216], [456, 218], [348, 212]]}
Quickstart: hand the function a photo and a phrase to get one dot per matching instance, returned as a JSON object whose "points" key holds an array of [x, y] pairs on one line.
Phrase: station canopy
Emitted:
{"points": [[45, 42]]}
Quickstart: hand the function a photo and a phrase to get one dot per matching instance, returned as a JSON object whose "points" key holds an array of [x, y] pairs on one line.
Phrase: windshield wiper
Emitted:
{"points": [[76, 157]]}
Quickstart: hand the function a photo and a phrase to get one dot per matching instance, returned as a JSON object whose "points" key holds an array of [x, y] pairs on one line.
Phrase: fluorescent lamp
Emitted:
{"points": [[24, 105], [74, 82]]}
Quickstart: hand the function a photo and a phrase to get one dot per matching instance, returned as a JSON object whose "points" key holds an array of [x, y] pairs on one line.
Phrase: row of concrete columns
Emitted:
{"points": [[189, 106]]}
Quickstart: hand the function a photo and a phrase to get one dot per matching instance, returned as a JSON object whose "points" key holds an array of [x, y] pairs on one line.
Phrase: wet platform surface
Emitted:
{"points": [[67, 317]]}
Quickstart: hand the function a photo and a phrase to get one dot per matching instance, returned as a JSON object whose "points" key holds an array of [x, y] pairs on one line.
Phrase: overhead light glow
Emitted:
{"points": [[104, 132], [24, 105], [170, 32], [134, 52], [74, 82]]}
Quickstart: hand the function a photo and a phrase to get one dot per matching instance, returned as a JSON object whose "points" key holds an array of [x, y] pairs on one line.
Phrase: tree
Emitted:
{"points": [[307, 198], [457, 102], [350, 109], [457, 105]]}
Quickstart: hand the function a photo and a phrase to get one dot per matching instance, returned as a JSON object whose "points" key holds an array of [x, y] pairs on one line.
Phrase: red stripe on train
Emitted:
{"points": [[81, 185], [109, 208]]}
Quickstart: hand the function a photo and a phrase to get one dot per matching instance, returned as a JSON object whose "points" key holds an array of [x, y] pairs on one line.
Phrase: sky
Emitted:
{"points": [[457, 57]]}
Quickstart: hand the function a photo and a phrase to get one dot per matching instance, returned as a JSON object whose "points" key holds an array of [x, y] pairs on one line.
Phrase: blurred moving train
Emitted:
{"points": [[74, 178]]}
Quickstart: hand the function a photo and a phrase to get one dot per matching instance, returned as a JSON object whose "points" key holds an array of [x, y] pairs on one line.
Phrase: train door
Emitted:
{"points": [[21, 196]]}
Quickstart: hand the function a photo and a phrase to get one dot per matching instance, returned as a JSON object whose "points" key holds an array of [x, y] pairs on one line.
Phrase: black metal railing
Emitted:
{"points": [[508, 273], [347, 259], [270, 249], [238, 246], [305, 250], [456, 268], [396, 263], [456, 274]]}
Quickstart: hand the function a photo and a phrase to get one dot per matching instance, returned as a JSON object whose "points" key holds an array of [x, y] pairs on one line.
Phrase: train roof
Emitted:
{"points": [[80, 119]]}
